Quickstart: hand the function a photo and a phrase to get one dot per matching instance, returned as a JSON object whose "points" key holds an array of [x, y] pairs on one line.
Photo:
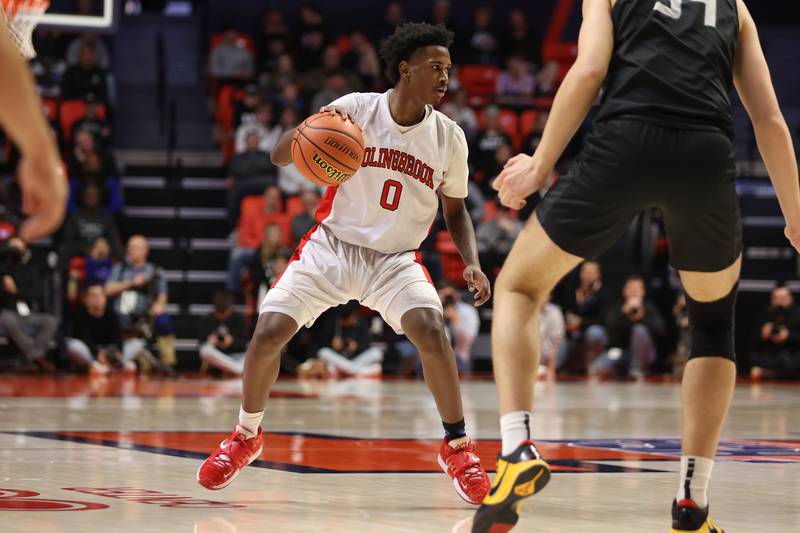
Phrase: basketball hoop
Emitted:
{"points": [[22, 16]]}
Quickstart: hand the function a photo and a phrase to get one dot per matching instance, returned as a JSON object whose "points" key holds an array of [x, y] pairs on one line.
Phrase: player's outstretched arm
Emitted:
{"points": [[524, 175], [754, 85], [281, 154], [41, 178], [459, 224]]}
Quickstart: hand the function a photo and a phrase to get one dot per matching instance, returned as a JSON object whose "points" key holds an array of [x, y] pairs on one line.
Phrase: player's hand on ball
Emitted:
{"points": [[44, 195], [478, 284], [339, 112], [518, 180]]}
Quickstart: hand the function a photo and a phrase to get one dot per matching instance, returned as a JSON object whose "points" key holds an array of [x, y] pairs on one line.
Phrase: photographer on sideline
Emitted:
{"points": [[632, 326], [30, 330], [462, 322], [223, 336]]}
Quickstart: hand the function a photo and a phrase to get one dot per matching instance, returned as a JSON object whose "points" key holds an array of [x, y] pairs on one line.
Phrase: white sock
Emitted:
{"points": [[515, 427], [249, 422], [695, 475]]}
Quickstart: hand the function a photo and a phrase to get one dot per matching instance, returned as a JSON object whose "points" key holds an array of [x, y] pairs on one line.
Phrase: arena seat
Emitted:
{"points": [[71, 111]]}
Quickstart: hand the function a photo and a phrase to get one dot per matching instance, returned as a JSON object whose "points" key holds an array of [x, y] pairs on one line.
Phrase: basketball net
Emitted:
{"points": [[21, 17]]}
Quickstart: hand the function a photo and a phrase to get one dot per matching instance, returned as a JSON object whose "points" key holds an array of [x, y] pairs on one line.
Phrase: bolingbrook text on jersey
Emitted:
{"points": [[392, 159]]}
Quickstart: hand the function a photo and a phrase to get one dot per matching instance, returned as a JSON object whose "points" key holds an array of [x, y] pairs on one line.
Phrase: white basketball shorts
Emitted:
{"points": [[325, 272]]}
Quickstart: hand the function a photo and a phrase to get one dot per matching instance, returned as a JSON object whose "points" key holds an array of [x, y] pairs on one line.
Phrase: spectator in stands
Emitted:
{"points": [[273, 81], [363, 60], [265, 269], [311, 19], [502, 154], [335, 86], [244, 110], [441, 14], [776, 353], [273, 29], [251, 233], [222, 336], [48, 66], [290, 98], [584, 308], [102, 57], [633, 325], [94, 271], [486, 142], [250, 172], [140, 291], [459, 110], [480, 47], [86, 77], [350, 352], [264, 125], [22, 315], [309, 55], [96, 341], [684, 345], [393, 16], [230, 62], [314, 80], [91, 121], [551, 333], [303, 222], [463, 323], [495, 238], [515, 85], [475, 202], [90, 222], [519, 40], [530, 144]]}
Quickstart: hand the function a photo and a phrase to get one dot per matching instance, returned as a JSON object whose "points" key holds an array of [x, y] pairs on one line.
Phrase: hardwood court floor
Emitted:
{"points": [[120, 455]]}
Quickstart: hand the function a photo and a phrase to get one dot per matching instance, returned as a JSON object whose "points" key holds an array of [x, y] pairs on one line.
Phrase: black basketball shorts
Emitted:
{"points": [[627, 165]]}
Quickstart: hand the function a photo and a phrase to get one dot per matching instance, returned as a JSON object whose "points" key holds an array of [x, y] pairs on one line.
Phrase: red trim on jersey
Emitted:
{"points": [[418, 260], [296, 255], [326, 205]]}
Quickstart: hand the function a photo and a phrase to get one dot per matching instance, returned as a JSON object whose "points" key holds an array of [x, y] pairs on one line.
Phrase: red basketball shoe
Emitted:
{"points": [[233, 454], [459, 461]]}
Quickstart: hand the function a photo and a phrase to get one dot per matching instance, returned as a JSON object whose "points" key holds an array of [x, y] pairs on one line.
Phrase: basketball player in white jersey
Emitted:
{"points": [[363, 248], [41, 178]]}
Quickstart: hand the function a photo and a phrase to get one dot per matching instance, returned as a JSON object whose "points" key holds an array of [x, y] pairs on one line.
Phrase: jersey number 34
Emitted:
{"points": [[674, 10]]}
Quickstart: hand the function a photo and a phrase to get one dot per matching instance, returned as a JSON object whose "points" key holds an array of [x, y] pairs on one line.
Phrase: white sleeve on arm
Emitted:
{"points": [[456, 172], [347, 103]]}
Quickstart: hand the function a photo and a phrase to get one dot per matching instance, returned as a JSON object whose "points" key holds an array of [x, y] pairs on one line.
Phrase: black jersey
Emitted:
{"points": [[672, 62]]}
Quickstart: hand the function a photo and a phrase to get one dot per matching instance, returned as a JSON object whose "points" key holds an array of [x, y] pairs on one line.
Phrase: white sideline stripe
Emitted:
{"points": [[763, 222], [186, 344], [210, 244], [144, 182], [207, 184], [206, 309], [196, 275], [201, 213], [769, 252], [160, 243]]}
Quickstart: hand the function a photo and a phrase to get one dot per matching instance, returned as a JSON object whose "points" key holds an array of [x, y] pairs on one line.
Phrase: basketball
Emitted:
{"points": [[327, 149]]}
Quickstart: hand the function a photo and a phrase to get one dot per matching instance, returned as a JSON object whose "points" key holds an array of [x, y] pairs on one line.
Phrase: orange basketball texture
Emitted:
{"points": [[326, 149]]}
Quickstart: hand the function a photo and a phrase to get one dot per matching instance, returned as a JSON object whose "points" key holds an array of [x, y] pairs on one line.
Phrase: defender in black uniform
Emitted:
{"points": [[663, 137]]}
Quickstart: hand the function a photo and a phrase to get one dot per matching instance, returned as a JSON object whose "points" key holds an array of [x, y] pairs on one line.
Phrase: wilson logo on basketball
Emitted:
{"points": [[28, 500], [331, 171], [343, 148]]}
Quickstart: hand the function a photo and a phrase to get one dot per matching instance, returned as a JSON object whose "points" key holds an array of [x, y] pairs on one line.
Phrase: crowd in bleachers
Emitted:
{"points": [[111, 301]]}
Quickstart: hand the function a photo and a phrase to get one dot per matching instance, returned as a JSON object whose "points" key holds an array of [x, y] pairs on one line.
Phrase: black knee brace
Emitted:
{"points": [[711, 326]]}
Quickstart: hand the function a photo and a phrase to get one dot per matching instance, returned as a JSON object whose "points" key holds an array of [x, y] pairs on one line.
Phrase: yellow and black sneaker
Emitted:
{"points": [[687, 516], [520, 474]]}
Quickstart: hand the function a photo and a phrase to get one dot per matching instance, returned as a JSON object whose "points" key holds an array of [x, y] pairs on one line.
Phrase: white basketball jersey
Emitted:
{"points": [[391, 201]]}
